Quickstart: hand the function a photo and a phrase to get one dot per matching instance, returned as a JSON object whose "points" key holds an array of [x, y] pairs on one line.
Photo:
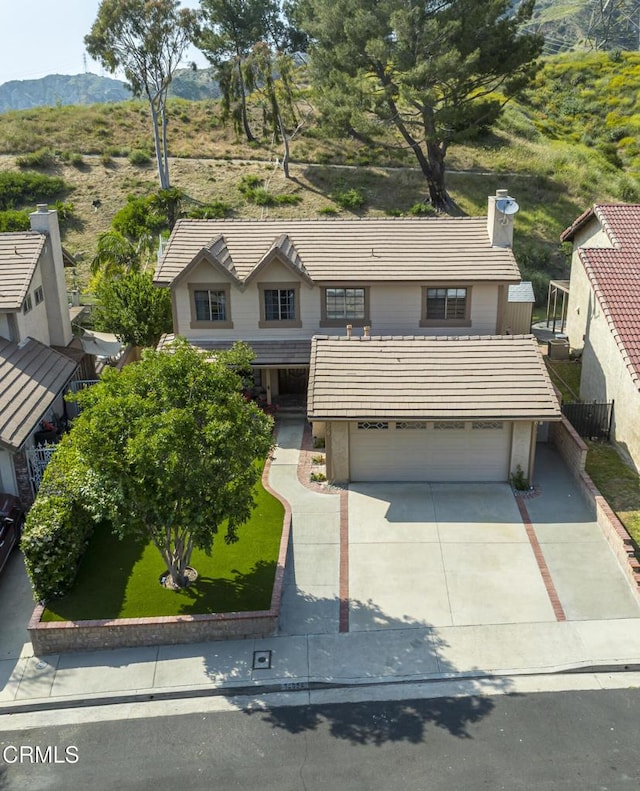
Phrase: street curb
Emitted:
{"points": [[291, 686]]}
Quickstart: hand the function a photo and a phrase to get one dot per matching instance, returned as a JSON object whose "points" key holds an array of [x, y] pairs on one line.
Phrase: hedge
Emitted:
{"points": [[60, 523]]}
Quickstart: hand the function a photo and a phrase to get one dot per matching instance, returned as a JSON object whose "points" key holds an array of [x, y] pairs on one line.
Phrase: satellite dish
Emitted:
{"points": [[507, 206]]}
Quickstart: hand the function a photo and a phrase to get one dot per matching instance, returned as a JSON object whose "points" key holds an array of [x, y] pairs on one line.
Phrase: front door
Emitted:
{"points": [[292, 381]]}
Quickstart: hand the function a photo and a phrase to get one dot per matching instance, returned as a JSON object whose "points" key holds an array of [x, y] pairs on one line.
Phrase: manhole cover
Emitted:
{"points": [[261, 660]]}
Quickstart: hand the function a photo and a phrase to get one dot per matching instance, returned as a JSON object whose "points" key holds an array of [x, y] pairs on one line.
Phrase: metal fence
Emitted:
{"points": [[591, 420]]}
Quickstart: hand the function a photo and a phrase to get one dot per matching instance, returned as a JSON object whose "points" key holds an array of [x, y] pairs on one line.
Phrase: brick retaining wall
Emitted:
{"points": [[61, 636], [574, 451]]}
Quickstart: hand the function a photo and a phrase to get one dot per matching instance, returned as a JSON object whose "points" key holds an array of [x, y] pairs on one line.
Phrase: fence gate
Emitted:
{"points": [[590, 420], [39, 457]]}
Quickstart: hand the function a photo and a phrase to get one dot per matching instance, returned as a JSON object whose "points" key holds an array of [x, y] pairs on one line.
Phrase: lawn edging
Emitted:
{"points": [[574, 452], [54, 637]]}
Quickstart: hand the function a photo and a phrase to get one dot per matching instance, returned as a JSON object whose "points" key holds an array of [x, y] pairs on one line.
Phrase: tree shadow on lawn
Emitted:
{"points": [[244, 592]]}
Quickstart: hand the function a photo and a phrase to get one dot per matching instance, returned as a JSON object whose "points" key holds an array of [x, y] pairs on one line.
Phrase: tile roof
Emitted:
{"points": [[429, 378], [32, 376], [382, 249], [19, 254], [292, 353], [614, 273]]}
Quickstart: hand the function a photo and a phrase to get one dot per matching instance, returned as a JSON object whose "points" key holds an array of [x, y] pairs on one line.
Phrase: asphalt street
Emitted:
{"points": [[572, 741]]}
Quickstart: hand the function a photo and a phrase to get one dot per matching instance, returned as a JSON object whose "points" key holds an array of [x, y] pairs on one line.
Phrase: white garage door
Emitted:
{"points": [[470, 451]]}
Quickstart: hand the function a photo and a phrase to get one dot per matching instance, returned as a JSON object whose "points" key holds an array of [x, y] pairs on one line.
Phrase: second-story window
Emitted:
{"points": [[446, 303], [39, 295], [27, 305], [279, 304], [446, 306], [345, 303], [210, 305]]}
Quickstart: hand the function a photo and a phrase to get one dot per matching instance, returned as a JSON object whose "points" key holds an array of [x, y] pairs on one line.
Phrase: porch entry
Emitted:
{"points": [[293, 381]]}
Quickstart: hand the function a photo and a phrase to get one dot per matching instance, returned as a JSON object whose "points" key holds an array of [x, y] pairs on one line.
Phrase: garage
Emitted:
{"points": [[429, 451], [420, 408]]}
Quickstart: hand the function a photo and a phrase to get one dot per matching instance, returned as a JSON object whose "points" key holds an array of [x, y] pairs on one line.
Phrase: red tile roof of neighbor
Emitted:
{"points": [[614, 273]]}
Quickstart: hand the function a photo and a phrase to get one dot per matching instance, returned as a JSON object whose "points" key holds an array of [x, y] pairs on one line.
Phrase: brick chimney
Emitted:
{"points": [[45, 221], [500, 213]]}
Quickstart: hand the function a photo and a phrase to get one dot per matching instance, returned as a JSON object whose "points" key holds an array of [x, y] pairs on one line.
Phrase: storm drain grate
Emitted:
{"points": [[261, 660]]}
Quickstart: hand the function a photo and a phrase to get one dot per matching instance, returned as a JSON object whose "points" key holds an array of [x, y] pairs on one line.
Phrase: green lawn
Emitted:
{"points": [[618, 483], [119, 579], [565, 375]]}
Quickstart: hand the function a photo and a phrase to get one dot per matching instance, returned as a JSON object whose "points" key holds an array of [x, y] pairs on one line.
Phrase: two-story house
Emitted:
{"points": [[388, 284], [37, 356]]}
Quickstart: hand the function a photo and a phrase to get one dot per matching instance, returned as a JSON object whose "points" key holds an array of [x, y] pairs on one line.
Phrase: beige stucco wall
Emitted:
{"points": [[521, 448], [580, 305], [34, 324], [395, 308], [605, 378], [337, 451]]}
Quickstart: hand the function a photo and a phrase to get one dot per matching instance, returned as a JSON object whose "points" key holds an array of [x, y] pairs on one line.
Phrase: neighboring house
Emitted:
{"points": [[277, 284], [38, 357], [603, 314]]}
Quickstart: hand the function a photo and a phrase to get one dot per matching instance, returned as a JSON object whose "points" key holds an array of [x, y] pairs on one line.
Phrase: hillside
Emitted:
{"points": [[570, 141]]}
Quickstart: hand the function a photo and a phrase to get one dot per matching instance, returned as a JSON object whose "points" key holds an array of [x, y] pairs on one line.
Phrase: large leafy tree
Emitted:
{"points": [[147, 40], [175, 443], [437, 70], [228, 34], [133, 309]]}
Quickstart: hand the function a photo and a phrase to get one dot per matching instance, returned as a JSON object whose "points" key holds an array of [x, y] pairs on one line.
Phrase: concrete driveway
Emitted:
{"points": [[452, 555]]}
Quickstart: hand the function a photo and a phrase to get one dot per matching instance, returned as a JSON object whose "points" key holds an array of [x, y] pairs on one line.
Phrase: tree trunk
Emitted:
{"points": [[165, 147], [157, 143], [437, 181], [432, 167], [243, 103]]}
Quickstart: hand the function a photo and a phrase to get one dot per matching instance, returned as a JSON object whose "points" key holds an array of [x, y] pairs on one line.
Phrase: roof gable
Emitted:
{"points": [[283, 250], [217, 255]]}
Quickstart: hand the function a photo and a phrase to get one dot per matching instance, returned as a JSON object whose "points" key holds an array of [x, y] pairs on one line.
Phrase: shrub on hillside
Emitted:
{"points": [[139, 217], [13, 220], [351, 199], [139, 157], [215, 210], [21, 188], [42, 158]]}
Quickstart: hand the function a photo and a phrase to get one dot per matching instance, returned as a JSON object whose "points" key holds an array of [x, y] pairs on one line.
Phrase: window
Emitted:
{"points": [[210, 306], [39, 295], [445, 305], [27, 305], [371, 426], [345, 304], [279, 305]]}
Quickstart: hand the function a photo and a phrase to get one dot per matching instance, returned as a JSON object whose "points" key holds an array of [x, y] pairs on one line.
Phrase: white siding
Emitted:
{"points": [[395, 308], [430, 454]]}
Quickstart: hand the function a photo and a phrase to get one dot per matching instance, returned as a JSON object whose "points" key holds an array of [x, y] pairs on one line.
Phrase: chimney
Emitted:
{"points": [[349, 330], [45, 221], [500, 213]]}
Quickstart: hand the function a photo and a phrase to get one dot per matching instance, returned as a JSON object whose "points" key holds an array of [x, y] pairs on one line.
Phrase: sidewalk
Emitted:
{"points": [[310, 652]]}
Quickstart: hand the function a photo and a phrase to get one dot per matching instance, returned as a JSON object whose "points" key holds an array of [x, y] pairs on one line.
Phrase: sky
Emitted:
{"points": [[41, 37]]}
